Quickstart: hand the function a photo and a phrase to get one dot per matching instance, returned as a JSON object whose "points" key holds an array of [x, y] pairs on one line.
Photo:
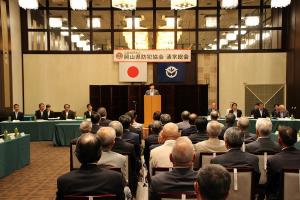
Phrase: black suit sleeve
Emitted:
{"points": [[21, 116], [59, 192]]}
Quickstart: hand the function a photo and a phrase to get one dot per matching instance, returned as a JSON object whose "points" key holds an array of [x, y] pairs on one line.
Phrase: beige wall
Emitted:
{"points": [[16, 51], [250, 68], [65, 78]]}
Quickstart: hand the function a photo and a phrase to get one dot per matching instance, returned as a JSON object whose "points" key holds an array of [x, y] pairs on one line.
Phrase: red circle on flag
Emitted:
{"points": [[133, 71]]}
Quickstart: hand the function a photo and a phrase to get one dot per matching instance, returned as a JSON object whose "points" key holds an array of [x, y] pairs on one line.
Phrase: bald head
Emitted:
{"points": [[281, 108], [183, 152], [170, 132], [185, 115], [192, 118], [107, 136], [243, 123], [213, 129], [85, 127], [118, 128]]}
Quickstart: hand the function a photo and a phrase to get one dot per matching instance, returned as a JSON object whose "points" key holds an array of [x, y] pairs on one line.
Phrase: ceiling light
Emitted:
{"points": [[124, 4], [75, 38], [55, 22], [231, 36], [29, 4], [183, 4], [96, 22], [280, 3], [223, 41], [252, 20], [78, 4], [229, 4], [211, 21]]}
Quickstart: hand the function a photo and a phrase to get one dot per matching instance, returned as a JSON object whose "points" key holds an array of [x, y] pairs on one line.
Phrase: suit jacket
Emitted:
{"points": [[133, 137], [189, 131], [281, 115], [104, 122], [183, 125], [249, 137], [95, 128], [235, 158], [71, 115], [288, 158], [88, 115], [211, 145], [238, 112], [155, 92], [177, 180], [221, 135], [262, 144], [138, 131], [198, 137], [90, 180], [265, 113], [39, 115], [150, 140], [50, 114], [20, 116]]}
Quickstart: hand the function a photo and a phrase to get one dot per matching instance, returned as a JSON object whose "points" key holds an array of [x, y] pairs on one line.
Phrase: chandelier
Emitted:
{"points": [[78, 4], [280, 3], [183, 4], [229, 4], [29, 4], [124, 4]]}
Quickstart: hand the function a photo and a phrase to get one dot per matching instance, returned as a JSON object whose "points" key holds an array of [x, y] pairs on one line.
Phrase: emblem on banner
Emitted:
{"points": [[171, 72]]}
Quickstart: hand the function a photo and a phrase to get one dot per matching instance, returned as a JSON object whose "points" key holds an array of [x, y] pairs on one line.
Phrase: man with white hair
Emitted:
{"points": [[182, 177], [84, 127], [264, 142], [243, 125], [282, 112], [109, 158], [159, 156]]}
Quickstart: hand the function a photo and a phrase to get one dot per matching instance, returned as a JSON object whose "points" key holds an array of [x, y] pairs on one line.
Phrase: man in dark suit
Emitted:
{"points": [[213, 107], [103, 117], [212, 182], [276, 110], [192, 129], [152, 91], [243, 124], [124, 147], [261, 112], [182, 177], [235, 158], [90, 179], [264, 142], [16, 114], [201, 135], [50, 113], [229, 122], [89, 112], [288, 158], [67, 113], [41, 113], [95, 118], [234, 110], [254, 109]]}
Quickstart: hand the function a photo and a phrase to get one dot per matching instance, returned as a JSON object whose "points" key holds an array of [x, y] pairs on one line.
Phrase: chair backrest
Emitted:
{"points": [[74, 162], [263, 158], [241, 184], [94, 197], [204, 158], [177, 195], [291, 184]]}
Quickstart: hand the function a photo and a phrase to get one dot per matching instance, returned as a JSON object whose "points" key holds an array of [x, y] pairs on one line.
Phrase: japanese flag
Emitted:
{"points": [[133, 72]]}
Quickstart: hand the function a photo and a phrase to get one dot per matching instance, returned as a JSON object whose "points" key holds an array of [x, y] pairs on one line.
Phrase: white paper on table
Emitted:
{"points": [[22, 134], [12, 137], [16, 121]]}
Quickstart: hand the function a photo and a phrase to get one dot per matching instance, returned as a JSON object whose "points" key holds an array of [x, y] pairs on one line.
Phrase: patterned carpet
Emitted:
{"points": [[38, 179]]}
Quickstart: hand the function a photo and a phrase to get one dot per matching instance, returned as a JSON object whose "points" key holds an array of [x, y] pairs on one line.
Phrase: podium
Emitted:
{"points": [[151, 104]]}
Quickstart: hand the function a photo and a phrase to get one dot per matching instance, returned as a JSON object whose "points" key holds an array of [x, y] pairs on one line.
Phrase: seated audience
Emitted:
{"points": [[109, 158], [264, 142], [103, 117], [261, 112], [41, 113], [276, 110], [234, 110], [16, 114], [229, 122], [192, 129], [213, 107], [288, 158], [89, 112], [159, 156], [50, 113], [95, 118], [156, 117], [212, 183], [243, 125], [151, 140], [214, 116], [254, 109], [89, 179], [200, 135], [185, 120], [282, 112], [182, 177], [212, 144], [133, 114], [165, 118], [234, 157], [67, 113], [84, 127]]}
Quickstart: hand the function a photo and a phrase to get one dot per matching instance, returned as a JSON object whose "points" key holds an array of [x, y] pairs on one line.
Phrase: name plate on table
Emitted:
{"points": [[16, 121], [12, 137], [1, 140]]}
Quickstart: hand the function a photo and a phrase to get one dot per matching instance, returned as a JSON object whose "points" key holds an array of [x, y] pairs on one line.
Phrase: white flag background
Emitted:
{"points": [[132, 71]]}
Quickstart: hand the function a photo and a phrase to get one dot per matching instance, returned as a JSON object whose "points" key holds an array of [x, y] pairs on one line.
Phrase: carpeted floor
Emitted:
{"points": [[38, 179]]}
